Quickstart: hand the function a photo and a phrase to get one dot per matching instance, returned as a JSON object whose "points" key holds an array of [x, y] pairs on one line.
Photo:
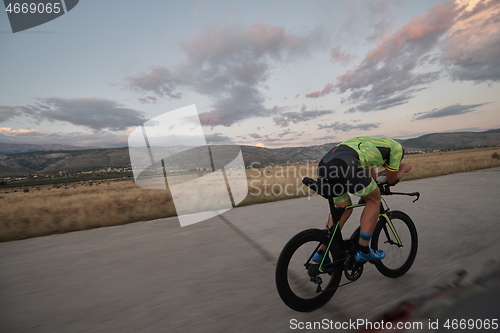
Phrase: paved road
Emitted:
{"points": [[218, 275]]}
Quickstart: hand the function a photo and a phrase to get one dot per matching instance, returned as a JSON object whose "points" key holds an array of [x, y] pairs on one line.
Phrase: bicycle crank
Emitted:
{"points": [[353, 269]]}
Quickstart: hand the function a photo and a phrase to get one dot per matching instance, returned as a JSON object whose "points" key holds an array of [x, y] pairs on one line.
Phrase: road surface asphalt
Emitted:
{"points": [[218, 275]]}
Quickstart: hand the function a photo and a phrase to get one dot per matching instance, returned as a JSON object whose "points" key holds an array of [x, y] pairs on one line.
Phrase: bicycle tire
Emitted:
{"points": [[398, 259], [292, 279]]}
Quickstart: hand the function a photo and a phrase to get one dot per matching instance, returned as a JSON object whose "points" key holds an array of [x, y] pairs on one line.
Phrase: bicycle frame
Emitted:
{"points": [[306, 285], [336, 213]]}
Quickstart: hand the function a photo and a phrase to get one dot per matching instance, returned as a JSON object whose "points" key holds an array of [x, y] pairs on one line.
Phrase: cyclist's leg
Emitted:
{"points": [[368, 221], [370, 214], [362, 184], [342, 201], [332, 169]]}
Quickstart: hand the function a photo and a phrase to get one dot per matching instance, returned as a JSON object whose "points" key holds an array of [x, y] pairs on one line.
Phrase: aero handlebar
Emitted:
{"points": [[325, 189]]}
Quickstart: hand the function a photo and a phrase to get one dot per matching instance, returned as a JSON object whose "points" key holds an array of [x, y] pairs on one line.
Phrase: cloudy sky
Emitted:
{"points": [[270, 73]]}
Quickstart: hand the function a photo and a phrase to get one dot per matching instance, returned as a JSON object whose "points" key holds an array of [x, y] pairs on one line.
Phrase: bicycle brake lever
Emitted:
{"points": [[418, 196]]}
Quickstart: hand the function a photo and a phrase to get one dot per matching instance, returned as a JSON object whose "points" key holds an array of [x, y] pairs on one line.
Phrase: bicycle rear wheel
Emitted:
{"points": [[399, 256], [300, 285]]}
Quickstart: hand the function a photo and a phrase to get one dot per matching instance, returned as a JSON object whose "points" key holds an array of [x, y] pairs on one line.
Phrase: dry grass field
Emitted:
{"points": [[444, 163], [44, 210], [53, 209]]}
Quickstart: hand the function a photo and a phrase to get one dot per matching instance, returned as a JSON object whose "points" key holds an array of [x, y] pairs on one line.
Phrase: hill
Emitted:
{"points": [[311, 153], [73, 161], [14, 148], [67, 160], [455, 140]]}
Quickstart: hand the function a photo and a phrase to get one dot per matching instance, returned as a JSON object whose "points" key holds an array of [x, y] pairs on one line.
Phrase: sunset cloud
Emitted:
{"points": [[217, 138], [452, 110], [471, 51], [8, 112], [338, 55], [326, 90], [384, 103], [388, 71], [148, 100], [158, 80], [284, 119], [13, 132], [229, 65], [468, 34], [345, 127], [94, 113]]}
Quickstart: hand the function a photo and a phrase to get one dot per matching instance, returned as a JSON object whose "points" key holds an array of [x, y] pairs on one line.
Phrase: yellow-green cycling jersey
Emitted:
{"points": [[374, 152]]}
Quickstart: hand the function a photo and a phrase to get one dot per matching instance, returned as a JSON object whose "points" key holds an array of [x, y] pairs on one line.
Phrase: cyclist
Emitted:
{"points": [[351, 167]]}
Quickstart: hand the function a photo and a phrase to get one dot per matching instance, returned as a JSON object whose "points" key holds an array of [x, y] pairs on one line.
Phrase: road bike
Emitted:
{"points": [[305, 285]]}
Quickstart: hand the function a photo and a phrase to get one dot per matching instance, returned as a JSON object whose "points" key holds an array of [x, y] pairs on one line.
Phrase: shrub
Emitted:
{"points": [[495, 155], [26, 189]]}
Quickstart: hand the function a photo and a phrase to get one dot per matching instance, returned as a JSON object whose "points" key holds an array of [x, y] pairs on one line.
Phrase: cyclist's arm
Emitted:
{"points": [[394, 176]]}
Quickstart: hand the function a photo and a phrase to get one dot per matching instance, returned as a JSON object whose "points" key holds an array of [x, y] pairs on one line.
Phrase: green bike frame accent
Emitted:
{"points": [[320, 268], [355, 206], [394, 232]]}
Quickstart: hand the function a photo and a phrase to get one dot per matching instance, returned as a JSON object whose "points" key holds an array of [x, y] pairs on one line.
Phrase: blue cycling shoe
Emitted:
{"points": [[317, 258], [370, 256]]}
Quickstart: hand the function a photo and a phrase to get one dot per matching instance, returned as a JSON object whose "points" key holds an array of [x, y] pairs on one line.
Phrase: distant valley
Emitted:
{"points": [[44, 159]]}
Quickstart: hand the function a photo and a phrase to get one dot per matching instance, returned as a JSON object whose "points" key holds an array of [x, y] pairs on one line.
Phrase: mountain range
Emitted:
{"points": [[14, 148], [55, 158]]}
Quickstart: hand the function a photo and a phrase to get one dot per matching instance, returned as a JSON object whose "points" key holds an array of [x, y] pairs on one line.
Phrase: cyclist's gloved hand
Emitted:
{"points": [[382, 179]]}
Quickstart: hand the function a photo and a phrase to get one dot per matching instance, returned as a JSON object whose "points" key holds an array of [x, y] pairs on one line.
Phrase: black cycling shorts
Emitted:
{"points": [[341, 170]]}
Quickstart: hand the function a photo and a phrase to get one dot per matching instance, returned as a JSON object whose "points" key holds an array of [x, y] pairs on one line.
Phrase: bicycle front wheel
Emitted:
{"points": [[399, 241], [300, 284]]}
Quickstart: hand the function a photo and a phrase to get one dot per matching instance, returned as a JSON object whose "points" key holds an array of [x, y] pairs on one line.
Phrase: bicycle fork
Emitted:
{"points": [[398, 242]]}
